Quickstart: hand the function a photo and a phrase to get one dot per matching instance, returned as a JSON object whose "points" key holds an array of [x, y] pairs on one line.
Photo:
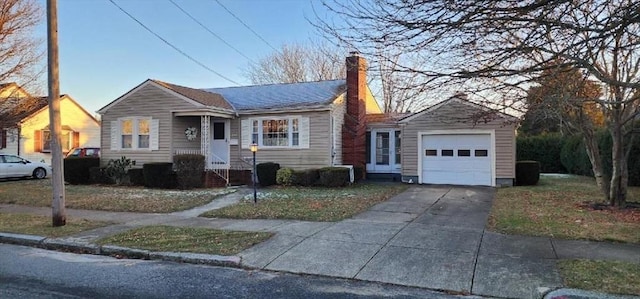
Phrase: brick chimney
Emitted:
{"points": [[355, 129]]}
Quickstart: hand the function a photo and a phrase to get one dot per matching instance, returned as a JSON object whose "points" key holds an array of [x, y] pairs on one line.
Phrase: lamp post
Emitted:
{"points": [[254, 149]]}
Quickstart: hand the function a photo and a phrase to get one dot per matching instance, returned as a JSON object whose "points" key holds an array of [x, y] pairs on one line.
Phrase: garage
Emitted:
{"points": [[457, 159], [456, 142]]}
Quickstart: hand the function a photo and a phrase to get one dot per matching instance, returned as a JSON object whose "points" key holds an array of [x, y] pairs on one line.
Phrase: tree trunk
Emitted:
{"points": [[602, 181], [620, 173]]}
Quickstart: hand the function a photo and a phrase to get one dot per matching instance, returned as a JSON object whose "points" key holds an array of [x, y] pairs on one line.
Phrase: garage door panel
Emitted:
{"points": [[469, 164]]}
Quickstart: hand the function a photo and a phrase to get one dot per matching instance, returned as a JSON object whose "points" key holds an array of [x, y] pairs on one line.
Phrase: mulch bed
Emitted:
{"points": [[630, 214]]}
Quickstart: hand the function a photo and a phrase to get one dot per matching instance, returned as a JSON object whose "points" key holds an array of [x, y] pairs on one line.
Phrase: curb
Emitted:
{"points": [[567, 293], [120, 252]]}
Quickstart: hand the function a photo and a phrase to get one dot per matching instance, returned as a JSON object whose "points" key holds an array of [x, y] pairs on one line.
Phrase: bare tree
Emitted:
{"points": [[298, 63], [495, 49], [19, 54]]}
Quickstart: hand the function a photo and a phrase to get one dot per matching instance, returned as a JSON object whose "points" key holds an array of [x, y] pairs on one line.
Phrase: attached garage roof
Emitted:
{"points": [[485, 114]]}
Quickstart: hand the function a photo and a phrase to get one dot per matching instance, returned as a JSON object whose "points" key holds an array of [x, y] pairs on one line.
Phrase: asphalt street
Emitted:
{"points": [[27, 272]]}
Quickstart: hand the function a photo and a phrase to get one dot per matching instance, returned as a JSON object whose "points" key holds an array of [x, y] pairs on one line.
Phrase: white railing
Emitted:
{"points": [[185, 151]]}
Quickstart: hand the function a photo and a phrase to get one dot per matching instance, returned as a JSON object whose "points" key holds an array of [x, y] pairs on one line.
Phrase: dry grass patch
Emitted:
{"points": [[41, 225], [601, 276], [309, 203], [187, 239], [107, 198], [556, 208]]}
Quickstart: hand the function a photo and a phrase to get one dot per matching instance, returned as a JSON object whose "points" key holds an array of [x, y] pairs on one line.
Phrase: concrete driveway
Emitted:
{"points": [[428, 236]]}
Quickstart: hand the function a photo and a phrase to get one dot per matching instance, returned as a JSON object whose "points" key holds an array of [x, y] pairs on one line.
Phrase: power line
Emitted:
{"points": [[209, 30], [171, 45], [247, 26]]}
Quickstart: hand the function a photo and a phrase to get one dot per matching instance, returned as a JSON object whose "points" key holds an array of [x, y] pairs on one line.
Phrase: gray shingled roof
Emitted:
{"points": [[290, 95], [198, 95]]}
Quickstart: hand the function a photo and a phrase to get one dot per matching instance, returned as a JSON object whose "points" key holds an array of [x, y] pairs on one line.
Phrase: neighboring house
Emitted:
{"points": [[298, 125], [24, 124]]}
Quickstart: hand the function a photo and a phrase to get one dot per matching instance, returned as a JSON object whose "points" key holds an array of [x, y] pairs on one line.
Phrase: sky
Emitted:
{"points": [[103, 53]]}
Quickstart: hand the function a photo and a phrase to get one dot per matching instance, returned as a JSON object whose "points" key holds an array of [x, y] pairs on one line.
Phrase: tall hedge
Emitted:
{"points": [[189, 170], [159, 175], [76, 170], [542, 148], [574, 156], [267, 173]]}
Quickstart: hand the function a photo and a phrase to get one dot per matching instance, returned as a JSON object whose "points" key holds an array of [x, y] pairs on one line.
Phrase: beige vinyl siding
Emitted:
{"points": [[179, 138], [317, 155], [338, 110], [147, 101], [455, 115]]}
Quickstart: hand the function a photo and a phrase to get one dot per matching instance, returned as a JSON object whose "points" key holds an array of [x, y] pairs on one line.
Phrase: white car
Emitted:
{"points": [[12, 166]]}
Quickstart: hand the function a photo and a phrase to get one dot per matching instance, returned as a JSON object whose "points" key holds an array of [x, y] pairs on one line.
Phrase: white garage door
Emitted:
{"points": [[459, 159]]}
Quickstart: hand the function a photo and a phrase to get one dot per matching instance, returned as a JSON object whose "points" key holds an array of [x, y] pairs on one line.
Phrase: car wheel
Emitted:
{"points": [[39, 173]]}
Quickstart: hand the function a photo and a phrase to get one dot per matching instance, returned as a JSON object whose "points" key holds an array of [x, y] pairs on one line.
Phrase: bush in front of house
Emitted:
{"points": [[544, 148], [117, 169], [159, 175], [98, 175], [285, 176], [267, 173], [334, 176], [527, 173], [189, 170], [76, 170], [136, 176], [307, 177]]}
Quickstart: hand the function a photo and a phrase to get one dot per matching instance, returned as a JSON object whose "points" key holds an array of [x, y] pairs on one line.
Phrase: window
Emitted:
{"points": [[368, 147], [134, 133], [382, 148], [431, 152], [65, 140], [277, 132], [481, 153], [398, 148], [218, 131], [464, 153], [447, 153]]}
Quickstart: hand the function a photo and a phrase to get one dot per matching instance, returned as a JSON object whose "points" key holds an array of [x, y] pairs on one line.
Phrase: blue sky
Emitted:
{"points": [[103, 53]]}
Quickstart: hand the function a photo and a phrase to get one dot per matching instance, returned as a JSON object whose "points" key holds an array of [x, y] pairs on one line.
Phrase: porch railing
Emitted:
{"points": [[214, 163]]}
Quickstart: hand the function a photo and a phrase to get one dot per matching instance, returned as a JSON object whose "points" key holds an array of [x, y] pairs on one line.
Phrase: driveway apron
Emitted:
{"points": [[427, 236]]}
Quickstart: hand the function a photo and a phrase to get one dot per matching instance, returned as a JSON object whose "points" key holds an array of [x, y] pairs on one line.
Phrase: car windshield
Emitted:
{"points": [[75, 152]]}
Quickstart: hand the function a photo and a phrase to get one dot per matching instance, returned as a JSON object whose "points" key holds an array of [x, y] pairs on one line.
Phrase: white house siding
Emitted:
{"points": [[315, 156], [70, 115], [179, 138], [12, 142], [455, 115], [148, 101], [338, 109]]}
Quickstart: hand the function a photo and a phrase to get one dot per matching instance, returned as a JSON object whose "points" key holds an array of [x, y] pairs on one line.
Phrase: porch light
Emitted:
{"points": [[254, 149]]}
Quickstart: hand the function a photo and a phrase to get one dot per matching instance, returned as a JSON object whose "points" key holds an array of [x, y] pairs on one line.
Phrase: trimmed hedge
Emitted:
{"points": [[307, 178], [574, 156], [189, 170], [285, 176], [136, 176], [527, 173], [544, 149], [334, 176], [267, 173], [159, 175], [76, 170], [98, 175]]}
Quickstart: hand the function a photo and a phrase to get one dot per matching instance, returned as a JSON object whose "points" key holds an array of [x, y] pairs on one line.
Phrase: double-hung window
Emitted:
{"points": [[276, 132], [133, 133]]}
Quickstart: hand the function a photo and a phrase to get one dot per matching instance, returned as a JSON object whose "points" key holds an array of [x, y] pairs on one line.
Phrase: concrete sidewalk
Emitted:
{"points": [[428, 236]]}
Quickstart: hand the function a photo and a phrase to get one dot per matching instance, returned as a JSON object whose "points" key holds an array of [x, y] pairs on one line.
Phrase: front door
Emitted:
{"points": [[385, 151], [220, 143]]}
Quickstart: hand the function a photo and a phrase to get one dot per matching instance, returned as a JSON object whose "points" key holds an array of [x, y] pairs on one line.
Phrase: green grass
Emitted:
{"points": [[107, 198], [556, 208], [41, 225], [187, 239], [309, 203], [601, 276]]}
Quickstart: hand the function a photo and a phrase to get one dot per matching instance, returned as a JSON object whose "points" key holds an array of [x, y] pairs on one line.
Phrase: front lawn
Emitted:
{"points": [[41, 225], [187, 239], [601, 276], [559, 207], [309, 203], [107, 198]]}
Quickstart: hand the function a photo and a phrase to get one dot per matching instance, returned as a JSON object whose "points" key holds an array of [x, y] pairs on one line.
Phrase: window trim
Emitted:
{"points": [[260, 134], [135, 133]]}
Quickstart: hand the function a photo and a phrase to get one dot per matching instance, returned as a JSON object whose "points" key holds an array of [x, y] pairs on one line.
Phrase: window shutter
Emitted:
{"points": [[304, 132], [246, 132], [37, 141], [115, 135], [76, 139], [3, 138], [154, 133]]}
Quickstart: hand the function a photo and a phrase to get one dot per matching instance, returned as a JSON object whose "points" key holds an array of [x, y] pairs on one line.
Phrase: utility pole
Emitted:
{"points": [[59, 214]]}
